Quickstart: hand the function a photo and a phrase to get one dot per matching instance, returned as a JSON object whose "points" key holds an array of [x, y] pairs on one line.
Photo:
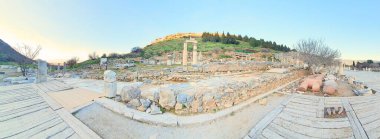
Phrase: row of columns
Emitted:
{"points": [[184, 53]]}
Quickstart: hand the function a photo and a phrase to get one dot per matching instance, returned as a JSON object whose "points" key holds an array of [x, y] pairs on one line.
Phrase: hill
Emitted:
{"points": [[8, 54], [212, 41]]}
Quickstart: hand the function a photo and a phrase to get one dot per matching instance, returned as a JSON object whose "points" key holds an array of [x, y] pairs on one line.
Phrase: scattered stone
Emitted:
{"points": [[148, 110], [155, 109], [145, 103], [135, 102], [228, 104], [141, 108], [178, 106], [263, 101], [147, 81], [152, 94], [117, 98], [229, 90]]}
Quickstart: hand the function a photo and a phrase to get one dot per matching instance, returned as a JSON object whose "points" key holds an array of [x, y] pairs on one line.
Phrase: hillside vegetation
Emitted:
{"points": [[213, 41]]}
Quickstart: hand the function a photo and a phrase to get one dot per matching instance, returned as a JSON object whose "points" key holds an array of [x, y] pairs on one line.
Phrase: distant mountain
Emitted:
{"points": [[8, 54]]}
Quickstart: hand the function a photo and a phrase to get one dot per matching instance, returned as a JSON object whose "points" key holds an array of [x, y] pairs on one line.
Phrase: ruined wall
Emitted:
{"points": [[209, 95]]}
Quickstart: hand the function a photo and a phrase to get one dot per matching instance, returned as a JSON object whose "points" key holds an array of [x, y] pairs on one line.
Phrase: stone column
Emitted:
{"points": [[169, 60], [41, 71], [110, 84], [200, 56], [195, 56], [59, 67], [184, 54], [340, 71]]}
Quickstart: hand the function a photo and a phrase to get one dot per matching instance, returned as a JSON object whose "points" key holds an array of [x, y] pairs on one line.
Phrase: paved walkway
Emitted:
{"points": [[302, 116], [27, 112]]}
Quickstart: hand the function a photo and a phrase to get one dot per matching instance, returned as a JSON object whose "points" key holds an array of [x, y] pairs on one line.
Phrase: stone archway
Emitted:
{"points": [[184, 53]]}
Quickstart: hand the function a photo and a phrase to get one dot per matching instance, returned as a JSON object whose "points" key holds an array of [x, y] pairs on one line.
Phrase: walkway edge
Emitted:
{"points": [[81, 129]]}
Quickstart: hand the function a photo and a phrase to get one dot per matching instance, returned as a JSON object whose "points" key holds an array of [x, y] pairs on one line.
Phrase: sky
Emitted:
{"points": [[68, 28]]}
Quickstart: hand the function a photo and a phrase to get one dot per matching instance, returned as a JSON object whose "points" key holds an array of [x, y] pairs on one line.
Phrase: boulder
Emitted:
{"points": [[135, 103], [185, 99], [167, 98], [182, 98], [145, 102], [130, 92], [302, 87], [228, 104], [330, 87], [316, 87]]}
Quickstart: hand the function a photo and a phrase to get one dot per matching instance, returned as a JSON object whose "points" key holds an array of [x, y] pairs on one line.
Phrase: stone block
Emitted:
{"points": [[110, 89], [41, 71], [109, 76], [167, 98]]}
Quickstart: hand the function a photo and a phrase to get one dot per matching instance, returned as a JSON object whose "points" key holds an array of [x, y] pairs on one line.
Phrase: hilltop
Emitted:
{"points": [[8, 54], [211, 41]]}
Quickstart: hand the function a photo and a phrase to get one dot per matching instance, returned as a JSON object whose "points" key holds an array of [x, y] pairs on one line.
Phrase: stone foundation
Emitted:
{"points": [[211, 95]]}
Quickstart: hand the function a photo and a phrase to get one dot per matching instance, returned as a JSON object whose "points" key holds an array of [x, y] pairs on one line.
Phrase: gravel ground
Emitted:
{"points": [[110, 125]]}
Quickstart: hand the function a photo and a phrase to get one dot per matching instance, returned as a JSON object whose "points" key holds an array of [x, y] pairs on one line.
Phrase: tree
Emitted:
{"points": [[72, 61], [136, 50], [369, 61], [93, 56], [245, 38], [353, 64], [113, 55], [239, 37], [316, 53], [104, 56], [30, 54]]}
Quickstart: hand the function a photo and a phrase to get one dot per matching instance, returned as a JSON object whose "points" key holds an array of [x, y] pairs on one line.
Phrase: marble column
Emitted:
{"points": [[340, 72], [110, 86], [195, 56], [200, 56], [184, 54]]}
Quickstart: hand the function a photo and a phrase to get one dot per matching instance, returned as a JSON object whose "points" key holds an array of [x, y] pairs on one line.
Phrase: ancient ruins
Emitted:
{"points": [[273, 94]]}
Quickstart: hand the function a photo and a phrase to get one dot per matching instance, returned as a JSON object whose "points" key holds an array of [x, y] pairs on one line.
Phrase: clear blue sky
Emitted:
{"points": [[66, 28]]}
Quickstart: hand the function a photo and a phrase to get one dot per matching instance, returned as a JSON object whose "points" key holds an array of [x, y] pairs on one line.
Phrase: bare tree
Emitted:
{"points": [[29, 53], [72, 61], [317, 54], [93, 56]]}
